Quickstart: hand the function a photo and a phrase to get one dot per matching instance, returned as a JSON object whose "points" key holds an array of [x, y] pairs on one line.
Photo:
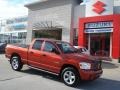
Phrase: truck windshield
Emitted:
{"points": [[66, 47]]}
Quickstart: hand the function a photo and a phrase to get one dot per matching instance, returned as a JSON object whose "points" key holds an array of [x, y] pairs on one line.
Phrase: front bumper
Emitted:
{"points": [[90, 75]]}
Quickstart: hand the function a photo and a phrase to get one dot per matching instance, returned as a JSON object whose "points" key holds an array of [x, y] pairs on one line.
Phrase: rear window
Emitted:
{"points": [[37, 45]]}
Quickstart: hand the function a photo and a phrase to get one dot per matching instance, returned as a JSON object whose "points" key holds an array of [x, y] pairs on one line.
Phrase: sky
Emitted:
{"points": [[116, 2], [13, 8]]}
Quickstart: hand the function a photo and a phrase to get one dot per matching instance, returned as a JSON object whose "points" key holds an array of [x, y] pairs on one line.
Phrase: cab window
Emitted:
{"points": [[49, 47], [37, 45]]}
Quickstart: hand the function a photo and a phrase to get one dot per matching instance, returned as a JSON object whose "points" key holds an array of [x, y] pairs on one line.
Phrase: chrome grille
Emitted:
{"points": [[97, 65]]}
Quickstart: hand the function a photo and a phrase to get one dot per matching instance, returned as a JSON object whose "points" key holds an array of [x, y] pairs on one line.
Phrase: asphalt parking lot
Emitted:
{"points": [[29, 79]]}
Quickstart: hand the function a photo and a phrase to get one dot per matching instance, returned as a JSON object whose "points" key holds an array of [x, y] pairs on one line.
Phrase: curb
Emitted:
{"points": [[114, 61]]}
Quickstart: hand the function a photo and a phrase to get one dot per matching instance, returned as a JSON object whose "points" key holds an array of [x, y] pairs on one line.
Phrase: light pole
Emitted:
{"points": [[0, 27]]}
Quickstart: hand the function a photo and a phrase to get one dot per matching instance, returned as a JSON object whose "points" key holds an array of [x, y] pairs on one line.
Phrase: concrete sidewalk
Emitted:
{"points": [[29, 79], [114, 62]]}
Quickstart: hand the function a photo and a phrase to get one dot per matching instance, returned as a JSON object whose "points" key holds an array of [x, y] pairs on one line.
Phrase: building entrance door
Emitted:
{"points": [[52, 34], [99, 44]]}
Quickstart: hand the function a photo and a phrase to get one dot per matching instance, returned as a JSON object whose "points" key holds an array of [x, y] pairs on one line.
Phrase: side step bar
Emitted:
{"points": [[43, 70]]}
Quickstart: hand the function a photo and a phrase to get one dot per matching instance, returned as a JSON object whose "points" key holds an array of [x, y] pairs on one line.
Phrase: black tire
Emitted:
{"points": [[74, 74], [15, 60]]}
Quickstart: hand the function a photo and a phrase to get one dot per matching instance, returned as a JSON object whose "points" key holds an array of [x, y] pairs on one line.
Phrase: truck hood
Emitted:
{"points": [[80, 57]]}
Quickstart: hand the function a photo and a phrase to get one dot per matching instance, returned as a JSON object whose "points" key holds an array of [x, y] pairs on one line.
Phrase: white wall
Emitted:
{"points": [[116, 2], [59, 11], [108, 8], [79, 12]]}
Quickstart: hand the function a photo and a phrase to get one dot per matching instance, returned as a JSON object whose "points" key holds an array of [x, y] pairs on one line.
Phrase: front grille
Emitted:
{"points": [[96, 65]]}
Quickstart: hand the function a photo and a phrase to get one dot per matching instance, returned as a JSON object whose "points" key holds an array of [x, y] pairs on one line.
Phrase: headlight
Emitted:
{"points": [[85, 65]]}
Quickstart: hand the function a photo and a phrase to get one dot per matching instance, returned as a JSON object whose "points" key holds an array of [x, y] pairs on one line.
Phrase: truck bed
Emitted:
{"points": [[20, 49], [21, 45]]}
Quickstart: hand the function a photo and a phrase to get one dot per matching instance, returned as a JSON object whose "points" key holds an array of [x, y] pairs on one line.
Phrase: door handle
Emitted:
{"points": [[32, 52], [44, 55]]}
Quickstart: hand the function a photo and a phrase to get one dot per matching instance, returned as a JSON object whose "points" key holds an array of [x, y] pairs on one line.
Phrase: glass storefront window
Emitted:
{"points": [[19, 37], [75, 37]]}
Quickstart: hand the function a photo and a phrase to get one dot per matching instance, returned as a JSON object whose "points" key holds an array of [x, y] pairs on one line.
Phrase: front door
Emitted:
{"points": [[100, 44], [50, 59]]}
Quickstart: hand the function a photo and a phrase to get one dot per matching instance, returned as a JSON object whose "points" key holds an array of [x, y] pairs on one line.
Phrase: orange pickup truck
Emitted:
{"points": [[55, 57]]}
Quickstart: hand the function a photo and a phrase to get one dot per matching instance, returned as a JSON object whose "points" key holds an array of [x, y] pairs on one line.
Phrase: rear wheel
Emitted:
{"points": [[70, 76], [16, 63]]}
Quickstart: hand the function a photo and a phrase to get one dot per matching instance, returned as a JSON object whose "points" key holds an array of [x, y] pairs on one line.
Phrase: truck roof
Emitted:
{"points": [[49, 39]]}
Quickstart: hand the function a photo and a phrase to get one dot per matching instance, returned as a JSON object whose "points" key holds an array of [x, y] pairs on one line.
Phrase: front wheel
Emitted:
{"points": [[70, 76], [16, 63]]}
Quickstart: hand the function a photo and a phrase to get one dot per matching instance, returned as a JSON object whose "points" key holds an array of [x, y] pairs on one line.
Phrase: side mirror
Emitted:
{"points": [[55, 51]]}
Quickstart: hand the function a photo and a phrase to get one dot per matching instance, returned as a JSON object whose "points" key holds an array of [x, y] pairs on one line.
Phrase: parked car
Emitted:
{"points": [[103, 55], [82, 49], [2, 47], [55, 57]]}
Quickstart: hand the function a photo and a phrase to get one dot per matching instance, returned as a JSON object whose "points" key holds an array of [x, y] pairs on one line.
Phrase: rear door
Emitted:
{"points": [[35, 54], [51, 60]]}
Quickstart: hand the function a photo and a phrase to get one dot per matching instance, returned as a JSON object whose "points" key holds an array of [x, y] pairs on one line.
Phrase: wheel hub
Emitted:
{"points": [[15, 63], [69, 77]]}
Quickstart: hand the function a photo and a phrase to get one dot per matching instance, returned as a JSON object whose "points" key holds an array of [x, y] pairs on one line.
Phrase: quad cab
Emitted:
{"points": [[56, 57]]}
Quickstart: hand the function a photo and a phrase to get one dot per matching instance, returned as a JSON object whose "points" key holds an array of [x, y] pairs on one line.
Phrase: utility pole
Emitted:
{"points": [[0, 27], [119, 48]]}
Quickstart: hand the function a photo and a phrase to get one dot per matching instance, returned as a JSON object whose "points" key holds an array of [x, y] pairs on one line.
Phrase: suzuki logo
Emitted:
{"points": [[99, 7]]}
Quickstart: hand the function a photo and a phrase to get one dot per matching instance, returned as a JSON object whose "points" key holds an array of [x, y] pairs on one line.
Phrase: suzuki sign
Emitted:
{"points": [[99, 7]]}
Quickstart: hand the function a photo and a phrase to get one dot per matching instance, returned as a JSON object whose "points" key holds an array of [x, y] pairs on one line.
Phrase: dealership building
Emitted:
{"points": [[95, 25], [13, 30]]}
